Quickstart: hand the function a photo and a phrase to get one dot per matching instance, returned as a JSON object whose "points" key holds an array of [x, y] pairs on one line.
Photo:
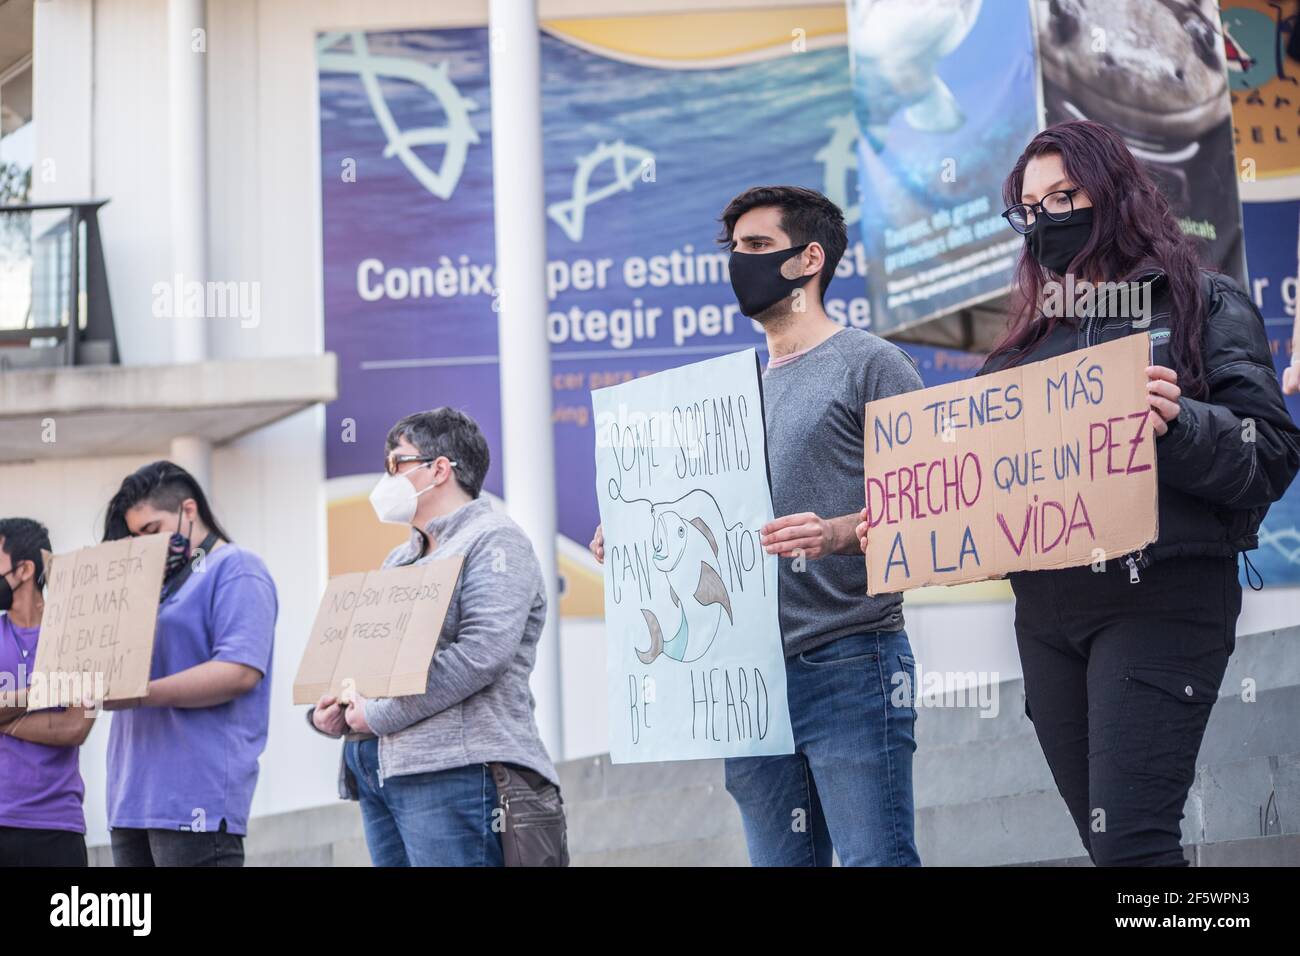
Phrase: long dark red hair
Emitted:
{"points": [[1133, 231]]}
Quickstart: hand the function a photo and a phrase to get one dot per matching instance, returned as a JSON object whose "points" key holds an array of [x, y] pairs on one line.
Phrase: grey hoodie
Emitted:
{"points": [[477, 706]]}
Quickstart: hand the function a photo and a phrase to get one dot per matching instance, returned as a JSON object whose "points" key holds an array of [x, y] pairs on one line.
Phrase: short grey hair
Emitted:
{"points": [[447, 432]]}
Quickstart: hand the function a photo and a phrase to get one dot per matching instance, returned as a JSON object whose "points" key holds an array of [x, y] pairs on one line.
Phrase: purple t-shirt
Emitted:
{"points": [[187, 768], [40, 786]]}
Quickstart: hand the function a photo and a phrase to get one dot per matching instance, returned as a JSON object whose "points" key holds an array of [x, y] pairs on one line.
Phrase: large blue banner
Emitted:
{"points": [[1272, 236], [1266, 127], [640, 159], [642, 152]]}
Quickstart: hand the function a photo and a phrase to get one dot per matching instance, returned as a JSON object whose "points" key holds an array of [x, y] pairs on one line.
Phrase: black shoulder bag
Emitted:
{"points": [[534, 832]]}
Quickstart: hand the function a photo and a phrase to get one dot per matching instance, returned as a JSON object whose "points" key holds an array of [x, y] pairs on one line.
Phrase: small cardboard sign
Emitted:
{"points": [[375, 632], [1049, 465], [97, 632]]}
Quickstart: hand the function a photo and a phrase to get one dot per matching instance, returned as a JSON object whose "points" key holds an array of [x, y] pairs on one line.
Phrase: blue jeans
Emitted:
{"points": [[848, 785], [442, 818]]}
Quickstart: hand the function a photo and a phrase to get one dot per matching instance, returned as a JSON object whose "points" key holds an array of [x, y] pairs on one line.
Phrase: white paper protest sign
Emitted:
{"points": [[696, 667]]}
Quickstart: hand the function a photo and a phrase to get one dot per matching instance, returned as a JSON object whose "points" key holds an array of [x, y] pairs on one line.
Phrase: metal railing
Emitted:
{"points": [[54, 301]]}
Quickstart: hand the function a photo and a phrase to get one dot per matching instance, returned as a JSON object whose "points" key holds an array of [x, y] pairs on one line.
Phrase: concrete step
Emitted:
{"points": [[1260, 851], [978, 770], [720, 851], [1023, 828], [652, 819], [984, 795], [1244, 799]]}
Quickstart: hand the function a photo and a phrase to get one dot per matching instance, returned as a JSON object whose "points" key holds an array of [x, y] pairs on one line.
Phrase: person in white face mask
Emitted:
{"points": [[395, 498], [436, 773]]}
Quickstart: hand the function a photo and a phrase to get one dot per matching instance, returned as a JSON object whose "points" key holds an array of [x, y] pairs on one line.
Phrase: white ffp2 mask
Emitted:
{"points": [[395, 499]]}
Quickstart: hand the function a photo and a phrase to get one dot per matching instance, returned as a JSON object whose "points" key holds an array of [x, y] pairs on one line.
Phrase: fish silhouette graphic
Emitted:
{"points": [[1239, 61], [628, 162], [896, 46], [686, 552], [839, 159], [1286, 541], [455, 137]]}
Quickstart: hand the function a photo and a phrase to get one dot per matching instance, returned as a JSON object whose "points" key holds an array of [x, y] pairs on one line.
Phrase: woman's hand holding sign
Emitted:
{"points": [[1162, 395]]}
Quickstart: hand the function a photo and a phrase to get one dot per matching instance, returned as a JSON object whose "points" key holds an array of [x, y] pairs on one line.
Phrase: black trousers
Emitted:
{"points": [[1120, 678], [20, 846], [177, 847]]}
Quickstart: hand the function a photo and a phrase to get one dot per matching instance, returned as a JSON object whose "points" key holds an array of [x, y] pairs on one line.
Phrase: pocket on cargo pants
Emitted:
{"points": [[1163, 712]]}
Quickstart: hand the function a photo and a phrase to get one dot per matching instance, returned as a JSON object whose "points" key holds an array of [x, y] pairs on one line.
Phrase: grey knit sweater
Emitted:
{"points": [[477, 706]]}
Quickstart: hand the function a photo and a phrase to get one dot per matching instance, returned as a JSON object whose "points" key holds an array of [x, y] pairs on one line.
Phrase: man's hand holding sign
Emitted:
{"points": [[809, 535], [1048, 465]]}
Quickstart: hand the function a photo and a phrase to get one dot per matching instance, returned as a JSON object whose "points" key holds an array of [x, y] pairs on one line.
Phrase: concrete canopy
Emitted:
{"points": [[96, 410]]}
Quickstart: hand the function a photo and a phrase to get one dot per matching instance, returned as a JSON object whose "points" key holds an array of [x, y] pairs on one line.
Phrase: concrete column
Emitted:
{"points": [[63, 78], [195, 456], [527, 437], [187, 141]]}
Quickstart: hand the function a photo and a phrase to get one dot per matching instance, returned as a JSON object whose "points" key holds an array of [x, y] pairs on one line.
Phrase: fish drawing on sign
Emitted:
{"points": [[896, 46], [455, 137], [686, 553], [629, 163]]}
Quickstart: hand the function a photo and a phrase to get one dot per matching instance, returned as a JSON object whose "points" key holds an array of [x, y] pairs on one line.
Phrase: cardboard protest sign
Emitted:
{"points": [[375, 633], [695, 663], [96, 638], [1049, 465]]}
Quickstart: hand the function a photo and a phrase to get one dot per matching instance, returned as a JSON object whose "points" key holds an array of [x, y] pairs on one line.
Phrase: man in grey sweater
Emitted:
{"points": [[419, 764], [849, 666]]}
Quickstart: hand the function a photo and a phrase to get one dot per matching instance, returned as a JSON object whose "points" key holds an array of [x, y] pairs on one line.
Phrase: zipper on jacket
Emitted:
{"points": [[1134, 560]]}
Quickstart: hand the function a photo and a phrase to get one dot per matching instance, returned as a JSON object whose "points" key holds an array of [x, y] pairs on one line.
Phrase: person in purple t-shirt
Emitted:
{"points": [[41, 821], [182, 761]]}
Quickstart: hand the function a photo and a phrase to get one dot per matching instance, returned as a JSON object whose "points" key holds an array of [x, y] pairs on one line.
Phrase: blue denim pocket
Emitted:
{"points": [[851, 649], [905, 679]]}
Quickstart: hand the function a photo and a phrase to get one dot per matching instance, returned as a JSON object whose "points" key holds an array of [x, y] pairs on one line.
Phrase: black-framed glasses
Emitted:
{"points": [[1057, 206]]}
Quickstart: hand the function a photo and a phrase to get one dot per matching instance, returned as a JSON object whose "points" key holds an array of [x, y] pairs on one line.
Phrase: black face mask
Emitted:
{"points": [[1055, 244], [6, 594], [178, 548], [757, 281]]}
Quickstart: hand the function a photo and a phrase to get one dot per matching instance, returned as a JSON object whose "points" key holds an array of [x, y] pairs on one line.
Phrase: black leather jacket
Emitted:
{"points": [[1216, 484]]}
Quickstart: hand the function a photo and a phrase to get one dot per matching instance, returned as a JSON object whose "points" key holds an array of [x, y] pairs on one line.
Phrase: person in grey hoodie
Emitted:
{"points": [[419, 765]]}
